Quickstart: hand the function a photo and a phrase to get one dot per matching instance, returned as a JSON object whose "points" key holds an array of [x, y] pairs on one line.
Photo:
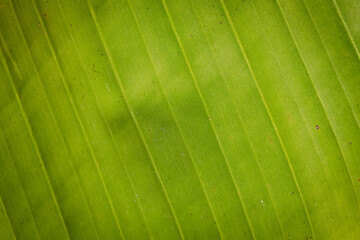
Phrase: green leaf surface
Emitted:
{"points": [[181, 119]]}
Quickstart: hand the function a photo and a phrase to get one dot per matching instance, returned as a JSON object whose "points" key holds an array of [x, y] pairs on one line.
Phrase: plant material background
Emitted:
{"points": [[180, 119]]}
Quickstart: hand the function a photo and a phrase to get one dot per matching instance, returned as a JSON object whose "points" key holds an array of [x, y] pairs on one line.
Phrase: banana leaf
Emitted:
{"points": [[179, 119]]}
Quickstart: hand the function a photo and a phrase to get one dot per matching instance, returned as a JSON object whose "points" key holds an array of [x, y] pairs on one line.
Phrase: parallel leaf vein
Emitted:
{"points": [[133, 116], [267, 109], [331, 61], [176, 122], [208, 114], [34, 141], [111, 134], [77, 115], [322, 105], [51, 108]]}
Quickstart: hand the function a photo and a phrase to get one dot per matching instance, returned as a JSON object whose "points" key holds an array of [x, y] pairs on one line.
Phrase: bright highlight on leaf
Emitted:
{"points": [[191, 119]]}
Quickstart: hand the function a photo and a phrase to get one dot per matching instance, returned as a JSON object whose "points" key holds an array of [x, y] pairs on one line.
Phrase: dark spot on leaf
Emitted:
{"points": [[220, 22], [317, 127]]}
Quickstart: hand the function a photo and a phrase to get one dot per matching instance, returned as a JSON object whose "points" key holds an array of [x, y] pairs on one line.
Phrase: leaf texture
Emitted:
{"points": [[219, 119]]}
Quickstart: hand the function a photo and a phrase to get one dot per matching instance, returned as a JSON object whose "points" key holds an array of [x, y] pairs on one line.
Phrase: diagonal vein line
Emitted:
{"points": [[51, 109], [242, 126], [173, 115], [208, 114], [347, 167], [332, 64], [327, 116], [32, 136], [347, 29], [6, 214], [128, 176], [108, 129], [20, 183], [303, 117], [77, 115], [308, 130], [268, 111], [132, 115], [176, 122]]}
